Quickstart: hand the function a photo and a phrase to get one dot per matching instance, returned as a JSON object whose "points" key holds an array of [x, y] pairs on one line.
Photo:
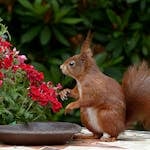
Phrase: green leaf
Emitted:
{"points": [[114, 44], [145, 51], [117, 34], [143, 5], [101, 37], [30, 34], [39, 66], [114, 72], [28, 115], [55, 74], [113, 17], [45, 35], [87, 22], [60, 37], [135, 58], [136, 26], [100, 58], [146, 41], [37, 2], [131, 1], [125, 19], [117, 60], [112, 62], [39, 9], [26, 4], [55, 6], [55, 61], [132, 42], [61, 13], [3, 30], [71, 20]]}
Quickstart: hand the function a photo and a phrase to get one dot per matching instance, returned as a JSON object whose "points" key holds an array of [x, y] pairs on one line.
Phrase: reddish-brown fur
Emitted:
{"points": [[101, 99], [136, 86]]}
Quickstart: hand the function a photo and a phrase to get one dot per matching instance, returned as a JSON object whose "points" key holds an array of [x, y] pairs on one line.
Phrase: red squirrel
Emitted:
{"points": [[105, 105]]}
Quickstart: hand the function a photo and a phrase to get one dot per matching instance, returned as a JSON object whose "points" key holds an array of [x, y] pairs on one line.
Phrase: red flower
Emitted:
{"points": [[26, 67], [35, 77], [15, 68], [4, 43], [56, 105], [7, 62], [34, 93], [45, 95]]}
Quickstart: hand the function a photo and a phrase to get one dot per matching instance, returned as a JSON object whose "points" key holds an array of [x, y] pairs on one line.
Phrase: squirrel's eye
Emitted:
{"points": [[72, 63]]}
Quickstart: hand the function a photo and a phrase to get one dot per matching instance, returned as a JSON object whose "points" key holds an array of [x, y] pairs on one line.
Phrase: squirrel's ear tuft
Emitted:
{"points": [[85, 48]]}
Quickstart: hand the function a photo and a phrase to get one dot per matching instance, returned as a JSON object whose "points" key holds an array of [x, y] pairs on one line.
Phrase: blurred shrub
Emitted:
{"points": [[49, 31]]}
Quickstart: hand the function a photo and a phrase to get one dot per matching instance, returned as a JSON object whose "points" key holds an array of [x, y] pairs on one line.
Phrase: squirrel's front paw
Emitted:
{"points": [[72, 106], [69, 108], [64, 94]]}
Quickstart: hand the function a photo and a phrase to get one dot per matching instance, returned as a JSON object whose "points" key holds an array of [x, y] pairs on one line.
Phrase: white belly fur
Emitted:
{"points": [[91, 113], [92, 117]]}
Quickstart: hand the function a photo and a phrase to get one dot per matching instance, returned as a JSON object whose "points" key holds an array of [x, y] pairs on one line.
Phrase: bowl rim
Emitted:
{"points": [[9, 129]]}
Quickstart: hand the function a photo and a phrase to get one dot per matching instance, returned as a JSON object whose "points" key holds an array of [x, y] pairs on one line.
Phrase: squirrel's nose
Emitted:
{"points": [[61, 66]]}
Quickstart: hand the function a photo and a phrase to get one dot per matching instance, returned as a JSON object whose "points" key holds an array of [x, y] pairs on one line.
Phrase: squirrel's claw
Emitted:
{"points": [[64, 94], [64, 98]]}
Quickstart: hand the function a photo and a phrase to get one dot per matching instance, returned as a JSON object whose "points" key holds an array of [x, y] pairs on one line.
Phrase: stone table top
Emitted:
{"points": [[128, 140]]}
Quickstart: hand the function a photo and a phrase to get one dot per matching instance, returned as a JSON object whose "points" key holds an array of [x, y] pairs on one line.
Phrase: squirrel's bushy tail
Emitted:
{"points": [[136, 81], [136, 87]]}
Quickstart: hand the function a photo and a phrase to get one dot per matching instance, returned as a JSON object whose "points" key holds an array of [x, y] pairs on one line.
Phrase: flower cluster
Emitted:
{"points": [[42, 92], [45, 92]]}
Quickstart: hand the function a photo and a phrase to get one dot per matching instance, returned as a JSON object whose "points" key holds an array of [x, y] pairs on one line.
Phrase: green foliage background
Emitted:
{"points": [[50, 31]]}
